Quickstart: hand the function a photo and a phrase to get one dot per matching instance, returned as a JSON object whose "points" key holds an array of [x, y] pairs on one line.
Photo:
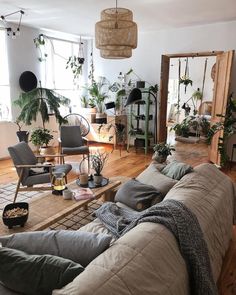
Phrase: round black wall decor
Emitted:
{"points": [[28, 81]]}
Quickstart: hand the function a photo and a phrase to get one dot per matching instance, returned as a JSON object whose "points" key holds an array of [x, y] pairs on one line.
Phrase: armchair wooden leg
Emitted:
{"points": [[18, 185]]}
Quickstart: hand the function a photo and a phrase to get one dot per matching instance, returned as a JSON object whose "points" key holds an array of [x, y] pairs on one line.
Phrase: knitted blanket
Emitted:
{"points": [[184, 226]]}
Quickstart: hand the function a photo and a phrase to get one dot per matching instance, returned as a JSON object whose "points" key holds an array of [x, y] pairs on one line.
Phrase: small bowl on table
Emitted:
{"points": [[11, 218]]}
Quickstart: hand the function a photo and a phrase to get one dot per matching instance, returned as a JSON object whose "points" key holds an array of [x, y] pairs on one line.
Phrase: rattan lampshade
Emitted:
{"points": [[116, 53], [122, 14], [116, 33]]}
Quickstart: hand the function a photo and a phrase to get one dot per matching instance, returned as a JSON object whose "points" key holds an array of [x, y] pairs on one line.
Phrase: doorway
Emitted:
{"points": [[221, 76]]}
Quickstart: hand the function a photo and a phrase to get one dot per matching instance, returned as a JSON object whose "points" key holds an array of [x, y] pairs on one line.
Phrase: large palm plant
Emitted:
{"points": [[41, 101], [97, 94]]}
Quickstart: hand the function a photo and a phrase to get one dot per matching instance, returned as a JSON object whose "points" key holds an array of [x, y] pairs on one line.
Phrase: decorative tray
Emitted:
{"points": [[91, 183]]}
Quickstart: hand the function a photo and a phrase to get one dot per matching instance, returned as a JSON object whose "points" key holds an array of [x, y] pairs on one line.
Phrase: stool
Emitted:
{"points": [[232, 154]]}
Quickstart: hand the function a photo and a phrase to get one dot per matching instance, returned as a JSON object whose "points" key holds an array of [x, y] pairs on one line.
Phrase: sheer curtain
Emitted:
{"points": [[5, 100]]}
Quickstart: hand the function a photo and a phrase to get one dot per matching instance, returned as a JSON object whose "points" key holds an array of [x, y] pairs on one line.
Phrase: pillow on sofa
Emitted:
{"points": [[35, 274], [78, 246], [137, 195], [152, 176], [176, 170]]}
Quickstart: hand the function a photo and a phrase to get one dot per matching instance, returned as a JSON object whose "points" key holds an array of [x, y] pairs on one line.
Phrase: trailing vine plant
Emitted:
{"points": [[228, 127], [40, 43], [75, 63]]}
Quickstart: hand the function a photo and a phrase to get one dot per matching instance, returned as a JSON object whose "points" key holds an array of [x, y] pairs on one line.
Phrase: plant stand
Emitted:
{"points": [[140, 135]]}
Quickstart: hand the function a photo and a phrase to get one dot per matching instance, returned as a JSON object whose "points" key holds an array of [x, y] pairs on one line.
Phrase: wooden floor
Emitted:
{"points": [[131, 164]]}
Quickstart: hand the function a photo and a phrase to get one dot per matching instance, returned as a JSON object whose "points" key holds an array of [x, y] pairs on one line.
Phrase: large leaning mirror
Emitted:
{"points": [[194, 87]]}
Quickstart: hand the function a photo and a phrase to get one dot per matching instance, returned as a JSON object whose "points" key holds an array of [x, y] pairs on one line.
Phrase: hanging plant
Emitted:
{"points": [[186, 81], [40, 45], [197, 95], [75, 63], [185, 78], [91, 71]]}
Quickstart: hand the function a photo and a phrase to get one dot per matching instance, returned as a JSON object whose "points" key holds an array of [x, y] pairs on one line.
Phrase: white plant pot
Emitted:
{"points": [[97, 179], [101, 118], [158, 158]]}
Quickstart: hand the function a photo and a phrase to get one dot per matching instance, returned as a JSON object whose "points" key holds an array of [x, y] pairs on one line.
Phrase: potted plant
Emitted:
{"points": [[185, 80], [40, 44], [98, 96], [162, 151], [43, 102], [89, 108], [181, 129], [41, 137], [227, 127], [75, 63], [97, 163], [21, 134]]}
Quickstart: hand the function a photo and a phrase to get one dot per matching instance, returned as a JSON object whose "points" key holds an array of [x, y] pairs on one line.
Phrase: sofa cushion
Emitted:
{"points": [[152, 176], [176, 170], [137, 195], [35, 274], [80, 247]]}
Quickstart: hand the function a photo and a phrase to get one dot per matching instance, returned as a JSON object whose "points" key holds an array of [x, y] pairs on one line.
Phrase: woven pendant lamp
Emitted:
{"points": [[116, 33], [115, 53]]}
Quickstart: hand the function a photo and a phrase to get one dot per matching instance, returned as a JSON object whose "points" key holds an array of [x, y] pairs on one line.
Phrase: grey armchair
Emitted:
{"points": [[72, 142], [25, 161]]}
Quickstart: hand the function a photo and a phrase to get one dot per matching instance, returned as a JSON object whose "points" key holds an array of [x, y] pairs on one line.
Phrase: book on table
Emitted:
{"points": [[83, 194]]}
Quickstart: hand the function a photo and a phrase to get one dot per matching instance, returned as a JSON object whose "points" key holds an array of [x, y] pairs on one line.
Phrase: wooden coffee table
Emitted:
{"points": [[50, 208]]}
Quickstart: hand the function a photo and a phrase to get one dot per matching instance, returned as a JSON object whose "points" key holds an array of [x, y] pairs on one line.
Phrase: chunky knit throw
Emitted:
{"points": [[184, 226]]}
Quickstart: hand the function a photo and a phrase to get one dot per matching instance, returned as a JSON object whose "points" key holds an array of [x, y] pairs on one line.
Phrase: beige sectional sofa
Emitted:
{"points": [[147, 259]]}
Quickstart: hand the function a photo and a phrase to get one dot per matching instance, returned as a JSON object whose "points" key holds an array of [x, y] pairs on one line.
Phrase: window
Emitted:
{"points": [[59, 78], [5, 101]]}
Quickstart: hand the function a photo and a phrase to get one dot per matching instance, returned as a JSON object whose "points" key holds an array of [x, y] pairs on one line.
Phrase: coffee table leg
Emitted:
{"points": [[109, 196]]}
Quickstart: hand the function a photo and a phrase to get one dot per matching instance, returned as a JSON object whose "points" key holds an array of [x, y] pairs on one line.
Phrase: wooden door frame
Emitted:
{"points": [[161, 121]]}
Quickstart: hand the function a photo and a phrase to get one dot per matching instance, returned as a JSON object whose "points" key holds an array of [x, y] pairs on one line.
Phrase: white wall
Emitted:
{"points": [[22, 56]]}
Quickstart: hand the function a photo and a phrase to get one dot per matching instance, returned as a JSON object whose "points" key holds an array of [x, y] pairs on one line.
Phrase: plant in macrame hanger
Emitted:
{"points": [[75, 63], [185, 78], [40, 44]]}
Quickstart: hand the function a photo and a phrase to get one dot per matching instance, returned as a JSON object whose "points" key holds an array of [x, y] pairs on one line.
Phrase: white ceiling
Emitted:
{"points": [[79, 16]]}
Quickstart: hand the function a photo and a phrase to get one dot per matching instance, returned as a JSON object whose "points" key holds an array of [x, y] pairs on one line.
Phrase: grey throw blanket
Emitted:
{"points": [[184, 226]]}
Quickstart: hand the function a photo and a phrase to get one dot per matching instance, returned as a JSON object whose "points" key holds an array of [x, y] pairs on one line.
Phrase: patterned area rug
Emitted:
{"points": [[78, 218], [7, 193], [73, 221]]}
